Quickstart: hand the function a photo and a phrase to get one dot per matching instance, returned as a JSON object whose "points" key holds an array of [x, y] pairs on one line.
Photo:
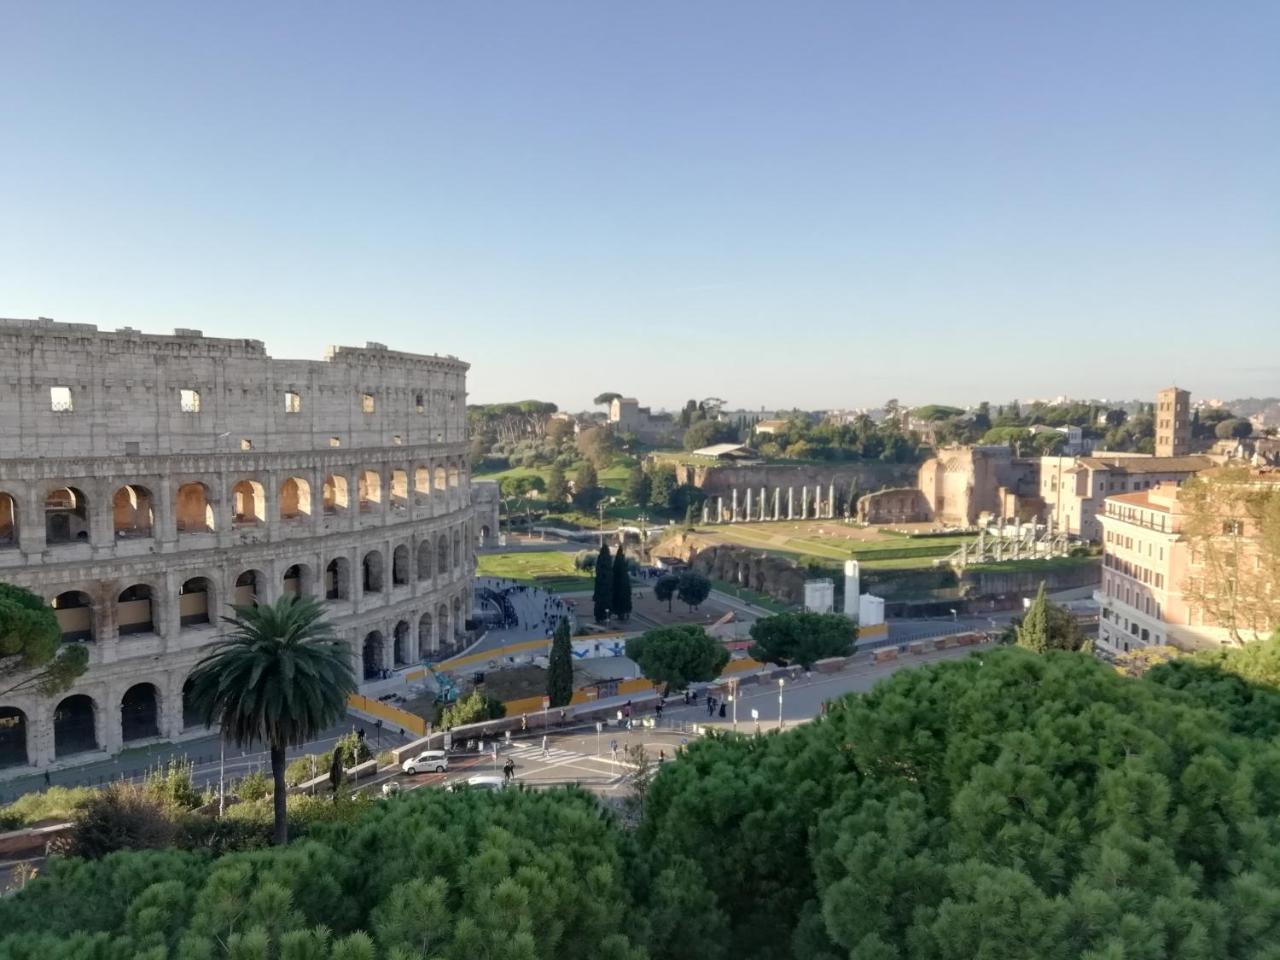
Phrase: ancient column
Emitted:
{"points": [[763, 500], [804, 502], [831, 501], [719, 509], [791, 503], [706, 509], [777, 502], [733, 517], [749, 518], [851, 588]]}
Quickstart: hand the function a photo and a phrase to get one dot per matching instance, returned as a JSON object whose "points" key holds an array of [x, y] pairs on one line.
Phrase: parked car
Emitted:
{"points": [[426, 762], [481, 781]]}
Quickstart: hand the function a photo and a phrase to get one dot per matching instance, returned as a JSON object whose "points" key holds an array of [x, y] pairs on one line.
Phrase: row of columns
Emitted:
{"points": [[765, 508]]}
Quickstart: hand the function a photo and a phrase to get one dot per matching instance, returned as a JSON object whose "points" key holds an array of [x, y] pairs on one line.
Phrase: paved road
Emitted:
{"points": [[203, 752]]}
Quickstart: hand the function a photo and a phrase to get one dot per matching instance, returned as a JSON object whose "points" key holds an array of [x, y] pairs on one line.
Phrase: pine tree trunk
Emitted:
{"points": [[278, 798]]}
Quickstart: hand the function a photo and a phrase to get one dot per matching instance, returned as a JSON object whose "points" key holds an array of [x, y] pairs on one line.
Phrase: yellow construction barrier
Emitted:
{"points": [[410, 722], [475, 659]]}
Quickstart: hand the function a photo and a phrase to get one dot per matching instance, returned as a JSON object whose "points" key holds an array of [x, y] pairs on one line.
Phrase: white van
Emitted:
{"points": [[428, 761]]}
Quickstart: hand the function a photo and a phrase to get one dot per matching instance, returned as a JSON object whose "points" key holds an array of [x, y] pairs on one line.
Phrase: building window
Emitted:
{"points": [[292, 402], [60, 400], [246, 444], [420, 402], [335, 442], [189, 400], [1232, 528], [397, 440], [366, 403]]}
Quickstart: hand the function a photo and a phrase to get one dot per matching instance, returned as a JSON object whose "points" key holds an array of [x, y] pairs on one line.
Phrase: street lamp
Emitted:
{"points": [[781, 683], [733, 698]]}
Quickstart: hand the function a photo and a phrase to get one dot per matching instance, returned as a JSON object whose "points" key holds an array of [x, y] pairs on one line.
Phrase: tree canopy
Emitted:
{"points": [[704, 433], [560, 666], [32, 654], [693, 588], [678, 656], [802, 638]]}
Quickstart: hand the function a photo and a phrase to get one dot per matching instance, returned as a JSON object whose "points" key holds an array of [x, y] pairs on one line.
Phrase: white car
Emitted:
{"points": [[429, 761], [481, 781]]}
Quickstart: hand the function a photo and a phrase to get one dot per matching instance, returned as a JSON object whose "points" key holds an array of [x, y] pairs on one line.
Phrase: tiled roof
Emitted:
{"points": [[1189, 464]]}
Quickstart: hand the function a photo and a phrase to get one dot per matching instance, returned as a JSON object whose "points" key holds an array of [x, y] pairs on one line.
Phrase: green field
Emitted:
{"points": [[886, 552], [612, 480], [550, 569]]}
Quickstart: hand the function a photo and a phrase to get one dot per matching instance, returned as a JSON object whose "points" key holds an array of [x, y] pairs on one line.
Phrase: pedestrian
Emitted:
{"points": [[711, 705], [47, 781], [662, 756], [508, 770], [658, 710], [721, 709]]}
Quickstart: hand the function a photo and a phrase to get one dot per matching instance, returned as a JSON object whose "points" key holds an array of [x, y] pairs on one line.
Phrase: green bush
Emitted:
{"points": [[52, 804], [172, 788], [306, 768], [473, 708], [355, 749], [120, 816], [254, 786]]}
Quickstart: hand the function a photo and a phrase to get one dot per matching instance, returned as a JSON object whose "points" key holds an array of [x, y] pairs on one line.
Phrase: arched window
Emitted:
{"points": [[457, 549], [424, 560], [369, 489], [372, 655], [372, 570], [420, 402], [249, 503], [13, 737], [74, 611], [193, 509], [334, 494], [399, 489], [73, 726], [453, 475], [249, 588], [194, 601], [442, 555], [337, 579], [191, 717], [400, 566], [421, 480], [139, 713], [442, 628], [66, 517], [441, 478], [402, 653], [295, 499], [132, 512], [134, 612], [8, 521], [292, 402], [297, 580]]}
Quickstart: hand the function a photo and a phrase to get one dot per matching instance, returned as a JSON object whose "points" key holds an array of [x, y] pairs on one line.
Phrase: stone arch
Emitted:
{"points": [[193, 508], [442, 555], [295, 499], [424, 559], [422, 480], [442, 627], [369, 490], [426, 635], [250, 588], [399, 488], [8, 520], [371, 655], [140, 712], [297, 580], [458, 618], [337, 579], [371, 572], [484, 534], [248, 503], [457, 549], [453, 475], [13, 737], [66, 516], [133, 512], [75, 725], [400, 566], [195, 602], [441, 478], [74, 611], [335, 494], [400, 649], [135, 610], [191, 717]]}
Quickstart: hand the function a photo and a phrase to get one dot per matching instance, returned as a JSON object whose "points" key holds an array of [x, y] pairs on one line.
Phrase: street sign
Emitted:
{"points": [[755, 714], [599, 726], [448, 740], [546, 702]]}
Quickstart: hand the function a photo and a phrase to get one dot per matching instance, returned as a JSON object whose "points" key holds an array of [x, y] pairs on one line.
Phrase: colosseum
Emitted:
{"points": [[148, 482]]}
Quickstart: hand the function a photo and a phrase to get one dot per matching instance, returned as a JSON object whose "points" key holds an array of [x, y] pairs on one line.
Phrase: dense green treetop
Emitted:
{"points": [[678, 656], [802, 638], [32, 655]]}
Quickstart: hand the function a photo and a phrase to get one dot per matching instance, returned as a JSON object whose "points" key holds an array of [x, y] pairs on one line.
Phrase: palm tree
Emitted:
{"points": [[281, 678]]}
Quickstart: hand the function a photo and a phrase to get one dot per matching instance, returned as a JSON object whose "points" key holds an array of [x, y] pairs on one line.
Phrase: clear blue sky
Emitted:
{"points": [[784, 204]]}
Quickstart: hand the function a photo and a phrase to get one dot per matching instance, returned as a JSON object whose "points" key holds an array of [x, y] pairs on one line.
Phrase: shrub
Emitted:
{"points": [[354, 750], [54, 804], [172, 788], [254, 786], [120, 816], [306, 768]]}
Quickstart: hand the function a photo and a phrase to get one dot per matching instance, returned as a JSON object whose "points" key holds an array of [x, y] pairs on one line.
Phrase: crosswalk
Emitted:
{"points": [[553, 757]]}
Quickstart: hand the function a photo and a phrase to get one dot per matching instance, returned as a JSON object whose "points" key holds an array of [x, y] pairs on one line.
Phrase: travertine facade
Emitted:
{"points": [[148, 481]]}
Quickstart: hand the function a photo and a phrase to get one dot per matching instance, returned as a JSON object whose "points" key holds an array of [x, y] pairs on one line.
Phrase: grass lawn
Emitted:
{"points": [[1041, 565], [759, 599], [884, 551], [552, 569]]}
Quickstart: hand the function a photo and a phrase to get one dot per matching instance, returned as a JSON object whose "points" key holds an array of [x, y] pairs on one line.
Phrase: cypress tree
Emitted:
{"points": [[602, 596], [560, 669], [1033, 634], [621, 587]]}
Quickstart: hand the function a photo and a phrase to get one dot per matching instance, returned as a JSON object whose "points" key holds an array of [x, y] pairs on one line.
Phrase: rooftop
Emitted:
{"points": [[1190, 464]]}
